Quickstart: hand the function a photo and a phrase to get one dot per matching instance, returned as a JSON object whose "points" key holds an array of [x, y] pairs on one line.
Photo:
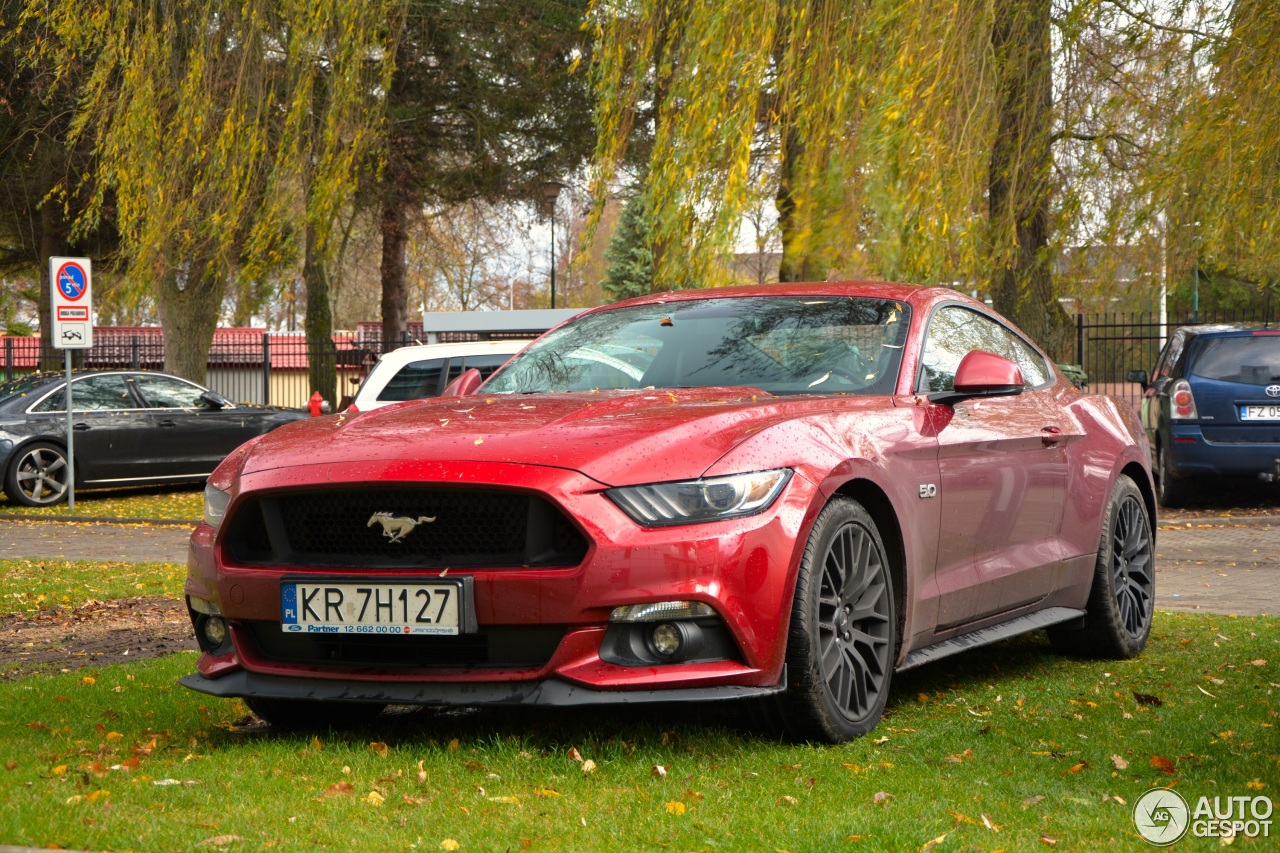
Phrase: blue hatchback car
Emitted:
{"points": [[1211, 407]]}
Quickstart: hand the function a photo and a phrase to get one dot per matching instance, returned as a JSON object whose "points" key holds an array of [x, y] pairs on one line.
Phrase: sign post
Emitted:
{"points": [[71, 310]]}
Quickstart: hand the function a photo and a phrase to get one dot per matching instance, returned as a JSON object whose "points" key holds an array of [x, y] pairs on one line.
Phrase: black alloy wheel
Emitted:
{"points": [[37, 476], [1122, 601], [843, 637]]}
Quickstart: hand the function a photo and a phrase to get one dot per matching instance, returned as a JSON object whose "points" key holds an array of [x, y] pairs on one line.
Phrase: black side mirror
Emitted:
{"points": [[213, 401], [1139, 376]]}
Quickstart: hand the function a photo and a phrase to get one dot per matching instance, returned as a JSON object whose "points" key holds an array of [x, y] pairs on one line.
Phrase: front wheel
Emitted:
{"points": [[38, 474], [1122, 600], [843, 636]]}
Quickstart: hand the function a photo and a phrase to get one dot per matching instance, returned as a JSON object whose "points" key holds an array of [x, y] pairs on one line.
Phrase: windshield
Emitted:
{"points": [[1252, 359], [781, 345]]}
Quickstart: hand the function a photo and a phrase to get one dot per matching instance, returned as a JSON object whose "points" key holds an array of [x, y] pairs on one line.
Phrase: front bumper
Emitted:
{"points": [[743, 568]]}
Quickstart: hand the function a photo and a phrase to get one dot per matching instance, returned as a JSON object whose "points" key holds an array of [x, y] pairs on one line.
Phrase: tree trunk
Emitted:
{"points": [[189, 312], [796, 263], [1020, 178], [395, 292], [53, 243], [319, 321]]}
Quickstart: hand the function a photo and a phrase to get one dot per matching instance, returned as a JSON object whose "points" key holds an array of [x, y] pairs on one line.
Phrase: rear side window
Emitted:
{"points": [[1251, 360], [486, 363], [91, 394], [415, 380]]}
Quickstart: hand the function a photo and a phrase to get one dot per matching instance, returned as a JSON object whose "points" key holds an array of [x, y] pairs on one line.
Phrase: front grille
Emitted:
{"points": [[514, 646], [472, 528]]}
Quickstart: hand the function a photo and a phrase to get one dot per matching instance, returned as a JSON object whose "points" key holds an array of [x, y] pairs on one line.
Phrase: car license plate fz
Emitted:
{"points": [[377, 606], [1260, 413]]}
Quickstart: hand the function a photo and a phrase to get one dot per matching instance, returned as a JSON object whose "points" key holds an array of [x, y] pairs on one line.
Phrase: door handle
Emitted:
{"points": [[167, 423], [1051, 435], [80, 427]]}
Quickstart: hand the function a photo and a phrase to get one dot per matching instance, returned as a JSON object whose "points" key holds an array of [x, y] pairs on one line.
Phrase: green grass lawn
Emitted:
{"points": [[164, 502], [1008, 748], [27, 586]]}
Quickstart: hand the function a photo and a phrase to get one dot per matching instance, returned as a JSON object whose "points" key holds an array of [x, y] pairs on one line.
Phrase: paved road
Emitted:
{"points": [[58, 540], [1206, 567], [1219, 569]]}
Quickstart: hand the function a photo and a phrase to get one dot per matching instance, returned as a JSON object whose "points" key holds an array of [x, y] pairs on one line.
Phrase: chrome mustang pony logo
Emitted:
{"points": [[396, 527]]}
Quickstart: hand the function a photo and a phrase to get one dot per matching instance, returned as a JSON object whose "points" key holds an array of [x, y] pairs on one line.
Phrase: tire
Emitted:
{"points": [[1172, 491], [37, 476], [307, 714], [1121, 603], [844, 630]]}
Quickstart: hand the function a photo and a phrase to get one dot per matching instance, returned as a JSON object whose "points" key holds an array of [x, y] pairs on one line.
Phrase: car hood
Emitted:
{"points": [[615, 438]]}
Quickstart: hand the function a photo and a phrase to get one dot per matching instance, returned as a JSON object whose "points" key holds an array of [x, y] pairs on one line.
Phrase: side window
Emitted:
{"points": [[161, 392], [954, 332], [415, 380], [92, 394], [1169, 358], [486, 363]]}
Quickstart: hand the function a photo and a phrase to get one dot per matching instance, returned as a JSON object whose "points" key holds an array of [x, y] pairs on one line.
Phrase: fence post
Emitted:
{"points": [[133, 351], [8, 358], [1080, 340], [266, 368]]}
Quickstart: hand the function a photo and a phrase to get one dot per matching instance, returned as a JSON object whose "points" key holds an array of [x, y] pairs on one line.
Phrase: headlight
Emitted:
{"points": [[215, 505], [696, 501]]}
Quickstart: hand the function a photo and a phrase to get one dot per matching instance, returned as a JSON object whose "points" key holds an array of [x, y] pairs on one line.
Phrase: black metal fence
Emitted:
{"points": [[249, 367], [273, 367], [1108, 346]]}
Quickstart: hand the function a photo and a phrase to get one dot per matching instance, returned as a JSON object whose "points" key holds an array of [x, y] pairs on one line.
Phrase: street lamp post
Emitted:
{"points": [[551, 194]]}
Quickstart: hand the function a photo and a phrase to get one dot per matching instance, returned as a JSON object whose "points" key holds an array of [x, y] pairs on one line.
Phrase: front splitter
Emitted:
{"points": [[550, 692]]}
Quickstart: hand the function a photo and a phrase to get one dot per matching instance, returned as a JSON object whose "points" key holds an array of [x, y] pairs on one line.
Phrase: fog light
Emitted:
{"points": [[214, 631], [666, 640]]}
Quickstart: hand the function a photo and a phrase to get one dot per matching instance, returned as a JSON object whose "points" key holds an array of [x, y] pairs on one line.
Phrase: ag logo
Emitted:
{"points": [[1273, 390], [1161, 816]]}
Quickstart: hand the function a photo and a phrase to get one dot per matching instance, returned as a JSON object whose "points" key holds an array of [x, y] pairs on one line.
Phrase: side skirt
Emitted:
{"points": [[992, 634]]}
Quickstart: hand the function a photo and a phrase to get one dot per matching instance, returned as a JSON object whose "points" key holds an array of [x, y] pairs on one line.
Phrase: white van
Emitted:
{"points": [[416, 372]]}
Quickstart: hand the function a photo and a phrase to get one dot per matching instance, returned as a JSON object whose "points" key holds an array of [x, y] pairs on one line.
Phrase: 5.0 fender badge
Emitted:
{"points": [[396, 527]]}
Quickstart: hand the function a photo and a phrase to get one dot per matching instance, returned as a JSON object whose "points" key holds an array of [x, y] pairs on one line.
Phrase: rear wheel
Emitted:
{"points": [[1171, 490], [308, 714], [843, 636], [37, 476], [1121, 603]]}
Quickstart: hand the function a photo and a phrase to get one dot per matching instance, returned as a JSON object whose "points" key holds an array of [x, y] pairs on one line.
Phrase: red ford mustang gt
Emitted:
{"points": [[783, 493]]}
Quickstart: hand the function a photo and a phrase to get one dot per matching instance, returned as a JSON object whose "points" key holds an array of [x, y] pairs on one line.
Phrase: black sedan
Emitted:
{"points": [[131, 428]]}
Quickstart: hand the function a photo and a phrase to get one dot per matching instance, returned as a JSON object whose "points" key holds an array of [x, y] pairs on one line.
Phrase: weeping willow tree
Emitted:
{"points": [[913, 139], [220, 133], [1221, 181]]}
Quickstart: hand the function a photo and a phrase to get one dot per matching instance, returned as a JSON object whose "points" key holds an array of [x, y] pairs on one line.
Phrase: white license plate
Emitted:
{"points": [[1260, 413], [322, 607]]}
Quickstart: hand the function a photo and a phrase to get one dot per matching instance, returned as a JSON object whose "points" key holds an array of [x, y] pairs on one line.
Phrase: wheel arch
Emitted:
{"points": [[1138, 475], [877, 504]]}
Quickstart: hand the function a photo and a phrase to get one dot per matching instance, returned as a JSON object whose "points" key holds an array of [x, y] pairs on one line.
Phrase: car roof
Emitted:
{"points": [[404, 355], [874, 289], [1226, 329]]}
